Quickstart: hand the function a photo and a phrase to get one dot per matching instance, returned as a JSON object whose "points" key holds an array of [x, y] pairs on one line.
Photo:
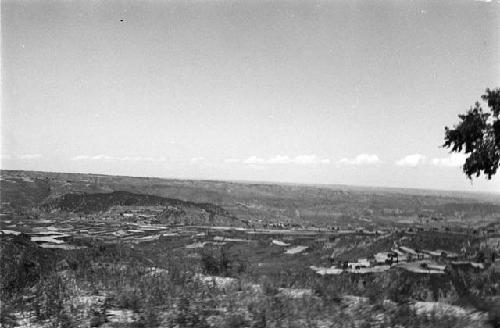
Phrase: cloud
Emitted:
{"points": [[411, 160], [94, 157], [102, 157], [232, 160], [483, 0], [29, 156], [80, 158], [254, 160], [196, 160], [279, 159], [310, 159], [361, 159], [453, 160], [282, 160]]}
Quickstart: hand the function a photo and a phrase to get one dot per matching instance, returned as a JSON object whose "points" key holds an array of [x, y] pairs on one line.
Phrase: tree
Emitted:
{"points": [[478, 134]]}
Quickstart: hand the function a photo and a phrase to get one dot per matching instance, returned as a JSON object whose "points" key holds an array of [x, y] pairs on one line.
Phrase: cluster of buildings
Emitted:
{"points": [[407, 258]]}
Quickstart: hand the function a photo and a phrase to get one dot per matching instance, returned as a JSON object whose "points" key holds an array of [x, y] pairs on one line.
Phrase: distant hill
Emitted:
{"points": [[245, 200]]}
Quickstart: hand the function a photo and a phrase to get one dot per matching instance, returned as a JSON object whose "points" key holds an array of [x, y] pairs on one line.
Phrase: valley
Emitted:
{"points": [[106, 251]]}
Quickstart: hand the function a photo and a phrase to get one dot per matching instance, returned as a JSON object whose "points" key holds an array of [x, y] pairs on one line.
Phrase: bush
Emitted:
{"points": [[215, 264], [148, 319], [235, 321], [494, 314], [129, 300], [189, 315], [6, 318], [97, 319], [65, 320]]}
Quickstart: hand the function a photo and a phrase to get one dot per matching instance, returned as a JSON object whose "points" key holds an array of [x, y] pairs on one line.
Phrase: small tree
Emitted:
{"points": [[478, 134]]}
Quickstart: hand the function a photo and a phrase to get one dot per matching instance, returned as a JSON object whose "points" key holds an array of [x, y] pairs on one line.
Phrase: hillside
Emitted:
{"points": [[282, 202], [100, 202]]}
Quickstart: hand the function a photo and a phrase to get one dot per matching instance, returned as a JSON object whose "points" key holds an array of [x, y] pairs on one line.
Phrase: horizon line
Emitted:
{"points": [[246, 181]]}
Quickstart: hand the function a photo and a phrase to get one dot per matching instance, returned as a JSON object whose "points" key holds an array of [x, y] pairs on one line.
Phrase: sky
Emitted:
{"points": [[316, 91]]}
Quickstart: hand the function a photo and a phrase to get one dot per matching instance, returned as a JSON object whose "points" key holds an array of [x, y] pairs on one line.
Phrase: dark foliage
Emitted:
{"points": [[21, 264], [478, 135], [99, 202], [215, 263]]}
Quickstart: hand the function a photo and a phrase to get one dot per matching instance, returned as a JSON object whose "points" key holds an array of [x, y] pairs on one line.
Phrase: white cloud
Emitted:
{"points": [[453, 160], [279, 159], [94, 157], [310, 159], [361, 159], [29, 156], [196, 160], [282, 160], [411, 160], [483, 0], [254, 160], [232, 160], [80, 158], [102, 157], [257, 167]]}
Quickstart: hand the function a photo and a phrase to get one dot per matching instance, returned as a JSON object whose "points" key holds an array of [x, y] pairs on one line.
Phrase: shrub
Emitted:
{"points": [[6, 318], [235, 321], [97, 319], [189, 315], [129, 300], [214, 263]]}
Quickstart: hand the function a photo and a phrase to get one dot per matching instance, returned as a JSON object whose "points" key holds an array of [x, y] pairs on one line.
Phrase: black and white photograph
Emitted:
{"points": [[250, 163]]}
